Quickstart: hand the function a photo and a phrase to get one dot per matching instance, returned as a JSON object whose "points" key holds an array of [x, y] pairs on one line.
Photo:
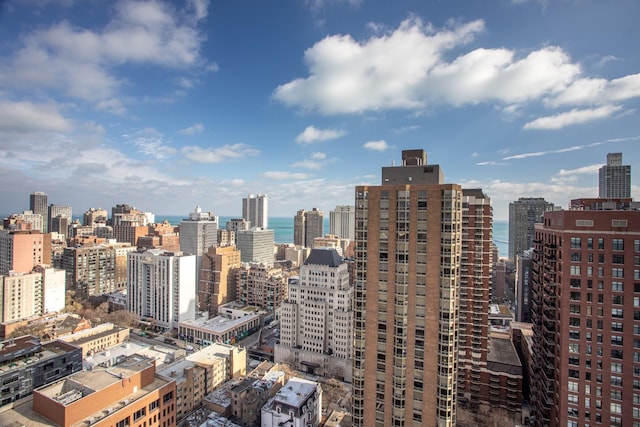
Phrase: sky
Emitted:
{"points": [[168, 105]]}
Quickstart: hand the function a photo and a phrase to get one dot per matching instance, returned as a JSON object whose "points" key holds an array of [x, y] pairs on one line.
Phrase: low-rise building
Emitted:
{"points": [[220, 329], [98, 338], [26, 364]]}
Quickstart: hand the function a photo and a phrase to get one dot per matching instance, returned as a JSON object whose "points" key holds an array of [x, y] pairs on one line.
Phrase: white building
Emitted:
{"points": [[256, 209], [219, 329], [162, 286], [297, 404], [36, 220], [342, 221], [256, 245], [316, 318], [20, 296], [53, 284], [198, 233]]}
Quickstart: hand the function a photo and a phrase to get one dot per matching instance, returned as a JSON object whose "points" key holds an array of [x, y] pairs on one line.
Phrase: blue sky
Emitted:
{"points": [[168, 105]]}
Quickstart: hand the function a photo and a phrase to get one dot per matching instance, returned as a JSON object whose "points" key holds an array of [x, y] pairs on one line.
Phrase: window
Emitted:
{"points": [[618, 258], [590, 242], [573, 386], [618, 244], [576, 243], [600, 243], [617, 286], [616, 326], [575, 256], [617, 272], [139, 414], [123, 423], [153, 405], [616, 408], [575, 270], [167, 397]]}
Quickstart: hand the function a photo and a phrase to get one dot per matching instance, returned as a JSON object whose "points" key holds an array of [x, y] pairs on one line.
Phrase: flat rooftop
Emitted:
{"points": [[176, 370], [25, 351], [295, 392], [503, 357], [216, 350], [161, 354], [218, 325]]}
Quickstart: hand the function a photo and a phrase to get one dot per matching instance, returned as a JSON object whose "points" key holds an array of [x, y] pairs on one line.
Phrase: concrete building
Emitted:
{"points": [[342, 222], [251, 394], [614, 178], [162, 286], [256, 245], [523, 215], [198, 233], [219, 329], [331, 241], [36, 220], [53, 288], [255, 209], [59, 217], [90, 270], [307, 225], [586, 321], [235, 358], [20, 251], [407, 282], [38, 204], [262, 285], [297, 404], [26, 364], [475, 293], [238, 224], [93, 216], [21, 296], [316, 318], [523, 286], [161, 236], [127, 394], [218, 278]]}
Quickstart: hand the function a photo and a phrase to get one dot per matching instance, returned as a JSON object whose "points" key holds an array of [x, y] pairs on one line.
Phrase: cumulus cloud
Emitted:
{"points": [[380, 145], [312, 134], [572, 175], [572, 117], [82, 63], [27, 117], [193, 129], [411, 68], [219, 154]]}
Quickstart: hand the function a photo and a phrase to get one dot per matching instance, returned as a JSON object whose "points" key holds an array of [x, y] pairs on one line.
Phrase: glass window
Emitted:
{"points": [[618, 244]]}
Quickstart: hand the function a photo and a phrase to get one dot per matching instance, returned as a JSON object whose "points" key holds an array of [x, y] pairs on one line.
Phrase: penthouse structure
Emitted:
{"points": [[586, 316], [27, 364], [407, 285]]}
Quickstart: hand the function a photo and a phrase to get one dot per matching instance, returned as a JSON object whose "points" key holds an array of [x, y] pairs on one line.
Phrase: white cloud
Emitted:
{"points": [[318, 156], [151, 143], [282, 175], [82, 63], [572, 175], [380, 145], [219, 154], [26, 117], [193, 129], [572, 148], [312, 134], [409, 68], [572, 117]]}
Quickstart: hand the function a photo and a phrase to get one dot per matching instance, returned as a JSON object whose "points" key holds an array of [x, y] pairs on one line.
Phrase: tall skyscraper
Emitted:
{"points": [[307, 225], [407, 282], [615, 178], [255, 208], [316, 319], [38, 205], [256, 245], [523, 215], [162, 286], [198, 233], [59, 211], [342, 222], [218, 278], [586, 316]]}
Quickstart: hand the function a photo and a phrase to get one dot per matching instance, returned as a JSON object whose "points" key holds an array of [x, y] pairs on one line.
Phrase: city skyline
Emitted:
{"points": [[169, 105]]}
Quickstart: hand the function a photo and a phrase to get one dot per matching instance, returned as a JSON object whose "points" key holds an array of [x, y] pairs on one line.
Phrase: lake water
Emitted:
{"points": [[283, 229]]}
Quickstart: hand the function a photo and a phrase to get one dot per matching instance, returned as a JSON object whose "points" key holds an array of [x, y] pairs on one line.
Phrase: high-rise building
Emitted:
{"points": [[20, 251], [38, 204], [307, 225], [37, 222], [257, 246], [615, 178], [162, 286], [523, 215], [218, 278], [523, 286], [94, 215], [475, 294], [261, 285], [342, 222], [54, 287], [255, 209], [198, 233], [407, 282], [20, 296], [316, 318], [586, 316], [90, 270], [56, 212]]}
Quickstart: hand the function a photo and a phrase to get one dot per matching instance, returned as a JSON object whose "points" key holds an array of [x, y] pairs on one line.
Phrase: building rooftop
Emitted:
{"points": [[24, 351], [222, 395], [502, 355], [295, 392], [324, 256], [110, 356], [218, 325], [213, 351], [176, 370]]}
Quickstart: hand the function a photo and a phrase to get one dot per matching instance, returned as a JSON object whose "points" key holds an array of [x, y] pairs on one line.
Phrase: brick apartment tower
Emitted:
{"points": [[408, 249], [218, 278], [475, 293], [586, 315]]}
